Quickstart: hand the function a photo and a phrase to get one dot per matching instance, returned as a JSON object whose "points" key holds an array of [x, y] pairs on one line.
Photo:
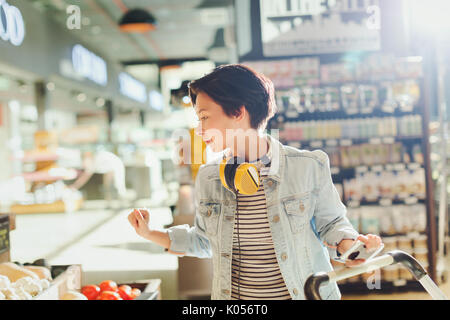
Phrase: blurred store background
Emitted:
{"points": [[90, 106]]}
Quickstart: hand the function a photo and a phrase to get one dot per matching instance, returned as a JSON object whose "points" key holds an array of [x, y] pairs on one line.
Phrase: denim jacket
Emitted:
{"points": [[304, 210]]}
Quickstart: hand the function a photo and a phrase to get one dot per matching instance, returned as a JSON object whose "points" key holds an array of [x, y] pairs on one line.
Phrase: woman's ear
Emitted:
{"points": [[242, 113]]}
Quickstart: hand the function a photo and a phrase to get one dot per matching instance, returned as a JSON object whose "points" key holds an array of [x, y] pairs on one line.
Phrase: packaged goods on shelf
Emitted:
{"points": [[351, 98], [390, 243], [289, 72], [337, 72], [405, 244], [405, 274], [365, 128], [421, 254], [390, 273], [389, 220], [370, 154], [370, 220], [394, 185], [420, 242], [373, 67], [368, 115]]}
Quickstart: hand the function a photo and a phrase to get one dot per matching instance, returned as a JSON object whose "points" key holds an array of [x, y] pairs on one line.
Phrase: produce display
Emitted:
{"points": [[27, 281], [109, 290], [22, 283]]}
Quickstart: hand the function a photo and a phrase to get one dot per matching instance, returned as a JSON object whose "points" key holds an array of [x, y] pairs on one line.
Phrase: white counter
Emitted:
{"points": [[114, 251], [43, 235]]}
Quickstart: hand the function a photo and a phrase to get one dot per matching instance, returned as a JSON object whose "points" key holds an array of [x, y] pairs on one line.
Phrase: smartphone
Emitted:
{"points": [[359, 251]]}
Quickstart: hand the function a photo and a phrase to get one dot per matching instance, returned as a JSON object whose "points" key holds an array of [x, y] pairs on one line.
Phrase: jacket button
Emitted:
{"points": [[225, 291], [284, 256], [295, 291], [276, 218], [302, 206], [226, 255], [229, 218], [270, 183]]}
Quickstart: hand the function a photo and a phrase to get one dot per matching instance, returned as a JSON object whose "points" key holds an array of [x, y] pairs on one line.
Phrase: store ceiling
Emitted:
{"points": [[185, 30]]}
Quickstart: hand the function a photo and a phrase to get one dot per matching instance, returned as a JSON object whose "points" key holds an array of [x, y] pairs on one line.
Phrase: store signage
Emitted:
{"points": [[156, 100], [319, 26], [132, 88], [88, 65], [12, 26]]}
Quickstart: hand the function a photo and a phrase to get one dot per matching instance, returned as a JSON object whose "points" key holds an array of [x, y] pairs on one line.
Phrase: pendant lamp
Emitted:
{"points": [[137, 20]]}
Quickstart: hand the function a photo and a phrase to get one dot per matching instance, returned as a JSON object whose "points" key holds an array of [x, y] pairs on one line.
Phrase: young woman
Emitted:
{"points": [[265, 244]]}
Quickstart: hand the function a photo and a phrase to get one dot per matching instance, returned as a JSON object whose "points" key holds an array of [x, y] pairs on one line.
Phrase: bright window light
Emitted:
{"points": [[430, 15]]}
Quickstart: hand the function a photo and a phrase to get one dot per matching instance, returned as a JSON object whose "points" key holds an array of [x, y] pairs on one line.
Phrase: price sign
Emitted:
{"points": [[411, 200], [335, 170], [331, 143], [316, 144], [354, 203], [377, 168], [361, 169], [385, 202], [346, 142]]}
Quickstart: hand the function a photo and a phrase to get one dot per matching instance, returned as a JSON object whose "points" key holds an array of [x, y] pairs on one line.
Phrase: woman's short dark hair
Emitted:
{"points": [[235, 85]]}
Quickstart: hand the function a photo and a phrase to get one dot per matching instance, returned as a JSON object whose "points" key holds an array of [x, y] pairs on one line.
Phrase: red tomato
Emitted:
{"points": [[108, 285], [125, 292], [135, 292], [91, 291], [109, 295]]}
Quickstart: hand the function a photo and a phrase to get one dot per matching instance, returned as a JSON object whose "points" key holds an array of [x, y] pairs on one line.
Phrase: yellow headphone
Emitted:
{"points": [[239, 176]]}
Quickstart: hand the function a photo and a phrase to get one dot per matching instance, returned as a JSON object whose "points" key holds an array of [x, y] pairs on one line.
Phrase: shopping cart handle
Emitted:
{"points": [[313, 284], [316, 280], [409, 262]]}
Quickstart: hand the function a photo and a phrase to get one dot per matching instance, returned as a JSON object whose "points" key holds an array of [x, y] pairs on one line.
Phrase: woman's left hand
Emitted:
{"points": [[372, 242]]}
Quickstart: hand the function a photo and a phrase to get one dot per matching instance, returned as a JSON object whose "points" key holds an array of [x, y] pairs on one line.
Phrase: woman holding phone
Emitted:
{"points": [[267, 214]]}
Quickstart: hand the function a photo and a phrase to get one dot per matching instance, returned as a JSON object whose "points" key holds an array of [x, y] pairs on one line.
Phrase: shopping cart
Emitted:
{"points": [[318, 279]]}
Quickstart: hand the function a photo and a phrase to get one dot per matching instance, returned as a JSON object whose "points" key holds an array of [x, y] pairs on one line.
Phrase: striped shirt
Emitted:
{"points": [[255, 273]]}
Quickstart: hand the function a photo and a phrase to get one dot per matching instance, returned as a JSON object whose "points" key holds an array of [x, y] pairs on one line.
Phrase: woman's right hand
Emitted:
{"points": [[139, 219]]}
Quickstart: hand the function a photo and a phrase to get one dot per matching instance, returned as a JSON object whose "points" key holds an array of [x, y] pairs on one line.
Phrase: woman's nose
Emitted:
{"points": [[198, 130]]}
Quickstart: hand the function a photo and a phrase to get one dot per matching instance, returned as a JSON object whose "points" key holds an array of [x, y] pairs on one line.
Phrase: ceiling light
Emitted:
{"points": [[100, 102], [137, 20], [50, 86], [186, 100], [81, 97]]}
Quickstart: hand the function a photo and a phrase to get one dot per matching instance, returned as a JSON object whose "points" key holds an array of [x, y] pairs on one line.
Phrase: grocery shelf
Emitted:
{"points": [[370, 124], [319, 143]]}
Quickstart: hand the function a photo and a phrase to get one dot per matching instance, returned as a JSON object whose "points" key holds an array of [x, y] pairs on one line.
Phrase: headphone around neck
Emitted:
{"points": [[239, 176]]}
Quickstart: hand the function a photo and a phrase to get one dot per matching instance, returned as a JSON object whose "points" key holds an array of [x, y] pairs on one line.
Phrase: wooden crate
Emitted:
{"points": [[55, 207], [66, 281]]}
